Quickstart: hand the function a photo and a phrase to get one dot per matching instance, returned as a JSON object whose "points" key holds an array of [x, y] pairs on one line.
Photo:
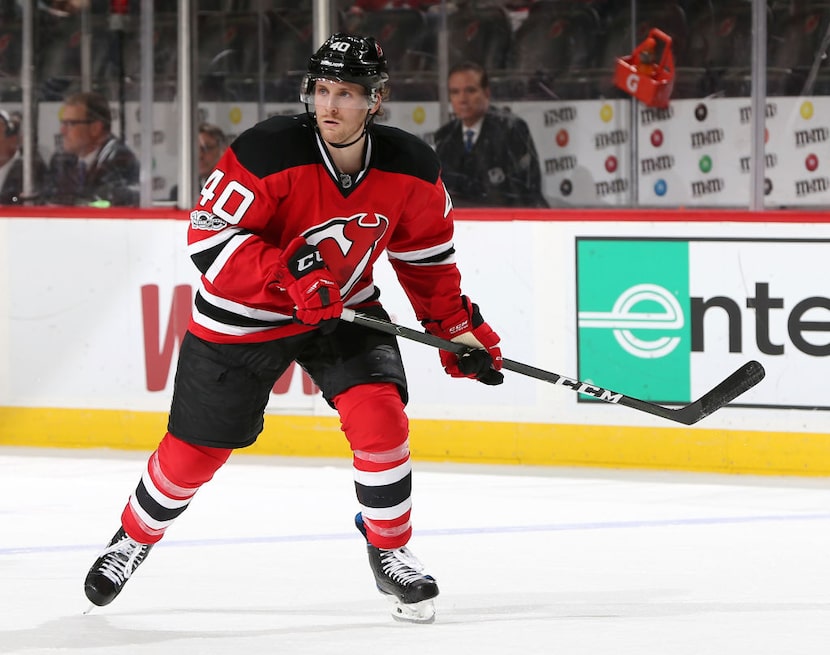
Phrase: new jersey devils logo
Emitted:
{"points": [[348, 245]]}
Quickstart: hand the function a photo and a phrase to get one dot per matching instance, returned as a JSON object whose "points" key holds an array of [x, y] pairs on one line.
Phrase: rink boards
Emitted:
{"points": [[656, 305]]}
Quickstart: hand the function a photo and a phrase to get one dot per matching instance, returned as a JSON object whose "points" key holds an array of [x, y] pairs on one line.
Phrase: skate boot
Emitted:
{"points": [[399, 576], [113, 568]]}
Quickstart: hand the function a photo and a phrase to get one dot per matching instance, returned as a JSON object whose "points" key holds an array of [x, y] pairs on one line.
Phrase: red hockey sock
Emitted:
{"points": [[174, 473], [372, 417]]}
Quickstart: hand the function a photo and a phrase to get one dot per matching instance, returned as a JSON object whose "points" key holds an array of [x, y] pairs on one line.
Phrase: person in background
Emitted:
{"points": [[11, 161], [93, 167], [212, 145], [487, 156], [285, 234]]}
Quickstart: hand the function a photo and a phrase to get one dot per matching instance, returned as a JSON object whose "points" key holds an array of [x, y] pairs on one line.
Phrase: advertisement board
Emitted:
{"points": [[658, 311], [658, 317], [94, 310]]}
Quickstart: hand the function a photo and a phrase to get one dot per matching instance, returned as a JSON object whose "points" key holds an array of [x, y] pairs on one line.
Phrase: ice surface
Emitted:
{"points": [[529, 560]]}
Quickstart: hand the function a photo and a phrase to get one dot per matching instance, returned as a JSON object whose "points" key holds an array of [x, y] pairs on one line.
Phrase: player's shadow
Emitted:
{"points": [[88, 632]]}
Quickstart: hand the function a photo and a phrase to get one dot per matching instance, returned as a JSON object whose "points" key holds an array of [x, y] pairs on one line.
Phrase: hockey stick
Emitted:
{"points": [[725, 392]]}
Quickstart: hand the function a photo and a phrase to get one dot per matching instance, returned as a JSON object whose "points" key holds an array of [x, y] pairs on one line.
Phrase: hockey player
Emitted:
{"points": [[285, 233]]}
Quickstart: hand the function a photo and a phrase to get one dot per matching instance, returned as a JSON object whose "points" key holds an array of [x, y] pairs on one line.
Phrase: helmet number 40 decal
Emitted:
{"points": [[340, 46], [233, 201]]}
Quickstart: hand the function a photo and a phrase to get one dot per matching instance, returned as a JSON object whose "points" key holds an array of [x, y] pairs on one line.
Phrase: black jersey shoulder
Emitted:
{"points": [[276, 144], [397, 151]]}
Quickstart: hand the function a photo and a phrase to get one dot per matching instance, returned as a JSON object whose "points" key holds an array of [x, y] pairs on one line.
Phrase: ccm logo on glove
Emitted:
{"points": [[303, 275], [468, 328], [308, 262]]}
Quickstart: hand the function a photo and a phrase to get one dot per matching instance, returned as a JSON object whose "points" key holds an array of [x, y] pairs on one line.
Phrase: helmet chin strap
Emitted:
{"points": [[369, 117], [350, 143]]}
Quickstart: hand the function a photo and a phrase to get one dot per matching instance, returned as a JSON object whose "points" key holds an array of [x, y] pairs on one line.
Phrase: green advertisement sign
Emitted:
{"points": [[633, 328]]}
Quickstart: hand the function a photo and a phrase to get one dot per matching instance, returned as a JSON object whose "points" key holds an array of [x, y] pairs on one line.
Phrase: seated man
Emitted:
{"points": [[488, 158], [94, 167]]}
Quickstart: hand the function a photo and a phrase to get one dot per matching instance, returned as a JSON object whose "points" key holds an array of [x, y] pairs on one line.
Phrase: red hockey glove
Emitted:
{"points": [[305, 277], [468, 327]]}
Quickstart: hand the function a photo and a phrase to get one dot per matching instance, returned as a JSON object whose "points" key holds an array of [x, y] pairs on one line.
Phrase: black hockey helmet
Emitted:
{"points": [[347, 58]]}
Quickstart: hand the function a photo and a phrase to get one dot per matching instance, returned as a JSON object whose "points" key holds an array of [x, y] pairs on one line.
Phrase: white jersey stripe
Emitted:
{"points": [[239, 308], [206, 244], [224, 328], [413, 256], [220, 261]]}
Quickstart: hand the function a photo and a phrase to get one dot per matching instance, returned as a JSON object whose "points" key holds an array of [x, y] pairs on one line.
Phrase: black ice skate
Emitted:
{"points": [[400, 577], [113, 568]]}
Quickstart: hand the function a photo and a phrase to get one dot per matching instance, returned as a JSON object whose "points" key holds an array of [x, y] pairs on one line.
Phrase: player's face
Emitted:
{"points": [[469, 99], [341, 109]]}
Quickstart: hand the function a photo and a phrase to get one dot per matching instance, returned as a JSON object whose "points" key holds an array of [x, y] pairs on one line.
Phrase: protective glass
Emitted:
{"points": [[331, 93]]}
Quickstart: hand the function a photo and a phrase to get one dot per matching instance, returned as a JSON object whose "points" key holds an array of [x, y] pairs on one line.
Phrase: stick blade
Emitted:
{"points": [[746, 377]]}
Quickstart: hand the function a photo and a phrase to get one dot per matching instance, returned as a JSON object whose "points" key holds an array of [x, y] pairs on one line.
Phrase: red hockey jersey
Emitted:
{"points": [[277, 181]]}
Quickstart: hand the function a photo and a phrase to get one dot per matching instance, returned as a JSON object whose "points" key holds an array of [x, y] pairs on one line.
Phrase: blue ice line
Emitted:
{"points": [[503, 529]]}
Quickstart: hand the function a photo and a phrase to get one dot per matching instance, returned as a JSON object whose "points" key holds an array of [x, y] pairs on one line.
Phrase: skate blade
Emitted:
{"points": [[423, 612]]}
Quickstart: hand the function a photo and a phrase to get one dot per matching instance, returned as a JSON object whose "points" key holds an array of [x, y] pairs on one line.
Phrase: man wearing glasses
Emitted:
{"points": [[93, 167], [212, 145]]}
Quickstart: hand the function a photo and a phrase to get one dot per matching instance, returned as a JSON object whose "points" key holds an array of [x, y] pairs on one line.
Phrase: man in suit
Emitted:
{"points": [[93, 167], [11, 161], [488, 158]]}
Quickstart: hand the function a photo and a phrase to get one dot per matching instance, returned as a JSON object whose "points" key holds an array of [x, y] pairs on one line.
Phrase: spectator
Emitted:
{"points": [[487, 156], [11, 161], [94, 167], [212, 145]]}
